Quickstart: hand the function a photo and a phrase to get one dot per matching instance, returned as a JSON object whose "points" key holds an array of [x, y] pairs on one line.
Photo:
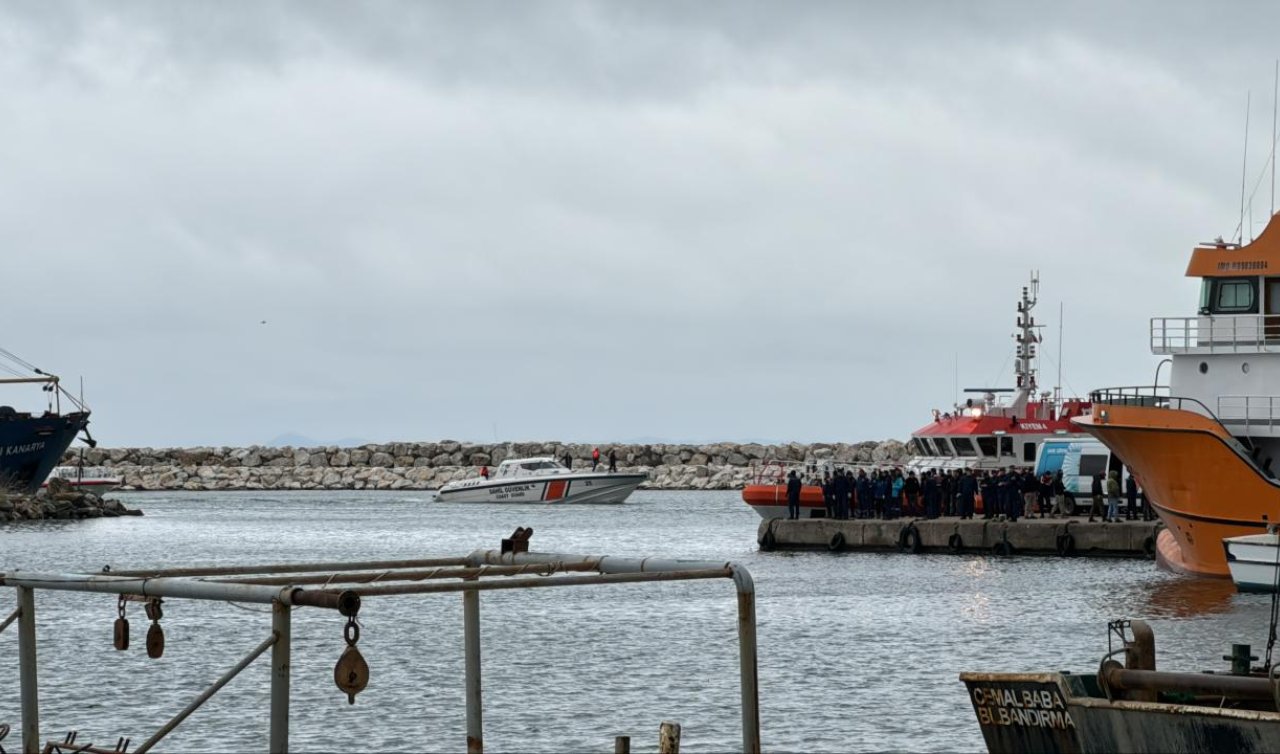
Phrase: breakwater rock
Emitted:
{"points": [[60, 502], [428, 465]]}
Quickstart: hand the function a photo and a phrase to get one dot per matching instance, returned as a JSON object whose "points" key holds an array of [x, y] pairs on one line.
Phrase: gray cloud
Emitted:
{"points": [[596, 221]]}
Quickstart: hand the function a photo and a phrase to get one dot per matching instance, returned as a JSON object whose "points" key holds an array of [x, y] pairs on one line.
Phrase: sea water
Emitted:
{"points": [[857, 652]]}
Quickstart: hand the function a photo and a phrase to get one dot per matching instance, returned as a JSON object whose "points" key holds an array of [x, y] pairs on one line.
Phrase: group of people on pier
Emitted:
{"points": [[1009, 493]]}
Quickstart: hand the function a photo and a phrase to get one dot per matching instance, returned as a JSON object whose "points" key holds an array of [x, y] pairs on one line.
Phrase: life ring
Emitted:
{"points": [[1066, 544], [768, 541], [1149, 547], [955, 543], [1002, 548], [836, 544], [909, 539]]}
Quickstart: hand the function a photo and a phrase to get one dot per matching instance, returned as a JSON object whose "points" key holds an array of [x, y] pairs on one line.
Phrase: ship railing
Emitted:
{"points": [[1215, 333], [1149, 396], [1252, 411], [774, 471]]}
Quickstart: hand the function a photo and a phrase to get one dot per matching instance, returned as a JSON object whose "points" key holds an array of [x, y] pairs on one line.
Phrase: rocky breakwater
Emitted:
{"points": [[60, 501], [428, 465]]}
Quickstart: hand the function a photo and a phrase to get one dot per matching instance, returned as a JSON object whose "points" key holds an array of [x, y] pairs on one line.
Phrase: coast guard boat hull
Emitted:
{"points": [[542, 480]]}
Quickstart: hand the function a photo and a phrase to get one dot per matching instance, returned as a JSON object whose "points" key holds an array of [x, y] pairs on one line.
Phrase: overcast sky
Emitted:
{"points": [[604, 221]]}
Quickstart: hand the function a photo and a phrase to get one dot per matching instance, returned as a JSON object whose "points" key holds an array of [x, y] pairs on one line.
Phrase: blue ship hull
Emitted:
{"points": [[30, 446]]}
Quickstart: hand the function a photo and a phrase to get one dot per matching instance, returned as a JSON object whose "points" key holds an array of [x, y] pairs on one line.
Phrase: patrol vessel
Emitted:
{"points": [[1004, 426], [1000, 428], [1203, 446], [32, 442], [542, 480]]}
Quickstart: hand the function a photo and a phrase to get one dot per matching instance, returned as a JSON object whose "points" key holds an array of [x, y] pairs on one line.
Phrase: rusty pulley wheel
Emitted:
{"points": [[120, 631], [155, 641], [351, 674]]}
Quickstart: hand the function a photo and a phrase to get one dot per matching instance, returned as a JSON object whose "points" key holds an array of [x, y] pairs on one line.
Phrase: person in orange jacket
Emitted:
{"points": [[595, 458]]}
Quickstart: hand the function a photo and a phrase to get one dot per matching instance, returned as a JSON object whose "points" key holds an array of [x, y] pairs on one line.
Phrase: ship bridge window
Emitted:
{"points": [[987, 445], [1006, 446], [944, 448], [1229, 296], [1029, 452], [921, 449], [964, 446]]}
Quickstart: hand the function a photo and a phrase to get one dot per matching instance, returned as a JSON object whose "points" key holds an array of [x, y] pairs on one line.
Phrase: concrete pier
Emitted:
{"points": [[1038, 536]]}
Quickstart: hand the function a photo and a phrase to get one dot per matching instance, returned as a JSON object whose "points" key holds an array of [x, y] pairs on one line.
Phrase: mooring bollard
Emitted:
{"points": [[622, 745], [669, 738]]}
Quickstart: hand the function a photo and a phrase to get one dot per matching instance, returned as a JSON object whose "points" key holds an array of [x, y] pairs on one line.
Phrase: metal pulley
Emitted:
{"points": [[120, 633], [351, 674], [155, 634]]}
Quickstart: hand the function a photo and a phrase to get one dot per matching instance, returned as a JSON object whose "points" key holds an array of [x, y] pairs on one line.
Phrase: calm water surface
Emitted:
{"points": [[858, 652]]}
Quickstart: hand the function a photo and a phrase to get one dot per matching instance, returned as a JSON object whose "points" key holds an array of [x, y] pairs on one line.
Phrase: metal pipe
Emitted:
{"points": [[620, 568], [281, 626], [1243, 687], [471, 648], [27, 670], [389, 575], [204, 695], [12, 617], [160, 587], [603, 563], [292, 568], [535, 583], [747, 663]]}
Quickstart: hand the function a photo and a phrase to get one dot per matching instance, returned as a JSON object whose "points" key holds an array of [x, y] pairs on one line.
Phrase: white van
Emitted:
{"points": [[1079, 460]]}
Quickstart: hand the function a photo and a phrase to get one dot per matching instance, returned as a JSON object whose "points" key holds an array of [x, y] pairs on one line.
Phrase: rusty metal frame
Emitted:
{"points": [[341, 586]]}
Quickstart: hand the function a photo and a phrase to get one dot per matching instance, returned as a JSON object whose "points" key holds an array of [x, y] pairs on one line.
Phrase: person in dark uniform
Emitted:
{"points": [[1095, 508], [793, 496], [828, 495], [613, 461], [842, 490], [866, 496], [568, 460], [1130, 498], [990, 496], [931, 496], [911, 488], [968, 492]]}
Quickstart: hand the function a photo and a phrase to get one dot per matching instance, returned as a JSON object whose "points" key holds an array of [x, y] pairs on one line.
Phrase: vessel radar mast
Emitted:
{"points": [[1027, 339]]}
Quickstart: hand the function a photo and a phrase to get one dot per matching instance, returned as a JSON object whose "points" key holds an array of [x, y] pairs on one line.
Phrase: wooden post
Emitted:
{"points": [[669, 738], [622, 745]]}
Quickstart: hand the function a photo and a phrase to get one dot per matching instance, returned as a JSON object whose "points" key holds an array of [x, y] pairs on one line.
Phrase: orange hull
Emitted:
{"points": [[776, 494], [1197, 482]]}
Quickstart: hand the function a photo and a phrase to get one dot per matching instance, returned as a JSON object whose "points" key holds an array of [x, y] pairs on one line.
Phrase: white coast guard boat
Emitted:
{"points": [[541, 480]]}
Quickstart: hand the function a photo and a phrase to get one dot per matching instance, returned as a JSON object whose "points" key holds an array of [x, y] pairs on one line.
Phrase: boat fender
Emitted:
{"points": [[837, 542], [1066, 544], [1149, 547], [1002, 548], [909, 539], [955, 542]]}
